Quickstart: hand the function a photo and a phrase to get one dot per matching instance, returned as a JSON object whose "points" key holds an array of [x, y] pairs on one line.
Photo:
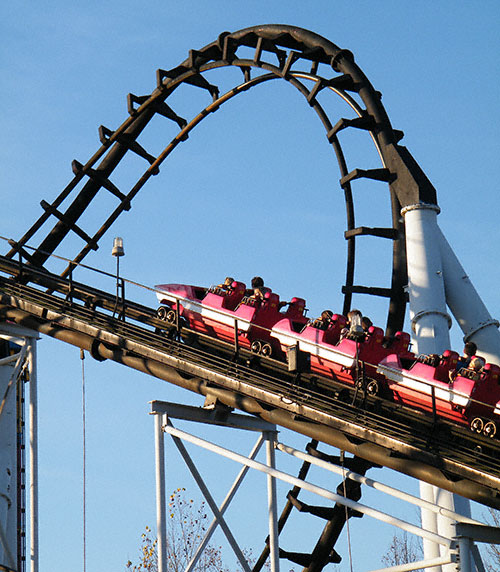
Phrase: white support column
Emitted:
{"points": [[429, 319], [161, 517], [467, 307], [271, 496], [33, 452], [429, 520], [430, 325]]}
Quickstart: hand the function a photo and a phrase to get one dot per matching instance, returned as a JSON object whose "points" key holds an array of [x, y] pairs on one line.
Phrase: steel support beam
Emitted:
{"points": [[225, 503], [33, 453], [8, 462], [325, 493], [272, 508], [161, 516]]}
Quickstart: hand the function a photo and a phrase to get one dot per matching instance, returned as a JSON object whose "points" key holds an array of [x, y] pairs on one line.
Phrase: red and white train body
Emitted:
{"points": [[388, 368]]}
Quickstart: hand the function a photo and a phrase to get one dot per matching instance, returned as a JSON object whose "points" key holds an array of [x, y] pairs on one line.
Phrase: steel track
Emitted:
{"points": [[311, 400]]}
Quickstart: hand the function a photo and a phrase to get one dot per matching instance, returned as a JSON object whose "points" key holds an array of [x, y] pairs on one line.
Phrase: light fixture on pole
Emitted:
{"points": [[118, 251]]}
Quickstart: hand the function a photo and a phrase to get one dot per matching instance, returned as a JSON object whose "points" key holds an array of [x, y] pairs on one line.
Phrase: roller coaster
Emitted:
{"points": [[353, 418]]}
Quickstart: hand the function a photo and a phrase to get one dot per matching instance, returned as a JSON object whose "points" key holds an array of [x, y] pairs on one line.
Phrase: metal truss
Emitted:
{"points": [[459, 550], [165, 412]]}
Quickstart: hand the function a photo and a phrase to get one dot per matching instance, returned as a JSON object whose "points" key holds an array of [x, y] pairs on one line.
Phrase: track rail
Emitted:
{"points": [[371, 428]]}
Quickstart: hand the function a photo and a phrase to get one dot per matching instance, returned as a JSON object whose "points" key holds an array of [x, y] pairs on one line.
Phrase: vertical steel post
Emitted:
{"points": [[161, 522], [465, 552], [429, 521], [33, 454], [270, 437]]}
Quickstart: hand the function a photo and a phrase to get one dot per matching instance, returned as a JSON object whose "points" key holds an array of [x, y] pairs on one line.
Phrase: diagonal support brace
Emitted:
{"points": [[210, 501]]}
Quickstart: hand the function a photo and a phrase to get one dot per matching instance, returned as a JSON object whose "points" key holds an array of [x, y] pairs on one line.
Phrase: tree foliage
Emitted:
{"points": [[186, 527], [402, 550], [493, 550]]}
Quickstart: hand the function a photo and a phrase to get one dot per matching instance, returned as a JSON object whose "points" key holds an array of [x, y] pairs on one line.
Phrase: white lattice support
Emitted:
{"points": [[164, 412], [271, 502], [8, 462], [21, 343]]}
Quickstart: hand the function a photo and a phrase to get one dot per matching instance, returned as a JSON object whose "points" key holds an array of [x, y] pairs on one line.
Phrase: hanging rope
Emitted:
{"points": [[82, 357], [342, 453]]}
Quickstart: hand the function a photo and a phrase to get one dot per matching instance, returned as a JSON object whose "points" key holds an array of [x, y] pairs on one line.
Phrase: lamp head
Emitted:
{"points": [[118, 247]]}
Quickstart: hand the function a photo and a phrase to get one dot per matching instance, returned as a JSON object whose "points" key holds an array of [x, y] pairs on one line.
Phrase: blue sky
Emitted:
{"points": [[254, 191]]}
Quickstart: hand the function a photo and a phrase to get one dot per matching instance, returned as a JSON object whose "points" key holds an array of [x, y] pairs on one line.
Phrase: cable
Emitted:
{"points": [[82, 357]]}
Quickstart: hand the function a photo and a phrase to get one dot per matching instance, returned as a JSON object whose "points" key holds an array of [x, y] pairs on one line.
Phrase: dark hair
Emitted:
{"points": [[257, 282], [366, 322], [470, 349]]}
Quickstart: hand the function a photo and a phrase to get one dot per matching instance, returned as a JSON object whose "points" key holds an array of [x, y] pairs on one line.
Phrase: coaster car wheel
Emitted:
{"points": [[256, 347], [477, 425], [490, 429], [267, 350], [171, 316], [372, 387], [161, 313]]}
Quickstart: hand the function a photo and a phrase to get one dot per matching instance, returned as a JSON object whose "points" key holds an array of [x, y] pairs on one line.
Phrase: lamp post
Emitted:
{"points": [[118, 252]]}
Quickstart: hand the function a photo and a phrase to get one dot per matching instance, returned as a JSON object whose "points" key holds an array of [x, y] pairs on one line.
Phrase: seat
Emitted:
{"points": [[448, 362], [234, 297], [336, 325], [401, 342], [491, 371], [375, 335], [271, 301], [295, 308]]}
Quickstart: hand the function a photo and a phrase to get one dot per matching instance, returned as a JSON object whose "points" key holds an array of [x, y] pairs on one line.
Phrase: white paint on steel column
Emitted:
{"points": [[161, 517], [429, 320], [33, 452], [271, 498], [8, 466], [429, 521], [467, 307], [430, 325]]}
